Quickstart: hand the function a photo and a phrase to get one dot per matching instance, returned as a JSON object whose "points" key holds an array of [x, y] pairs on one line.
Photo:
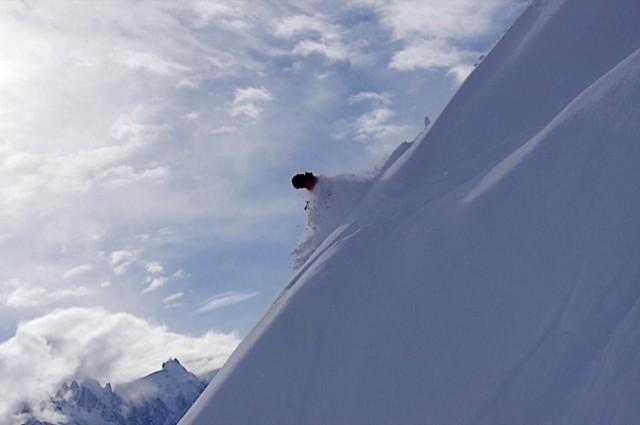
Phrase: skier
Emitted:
{"points": [[304, 181]]}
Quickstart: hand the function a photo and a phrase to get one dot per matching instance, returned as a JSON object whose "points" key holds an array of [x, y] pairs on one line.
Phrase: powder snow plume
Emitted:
{"points": [[326, 207]]}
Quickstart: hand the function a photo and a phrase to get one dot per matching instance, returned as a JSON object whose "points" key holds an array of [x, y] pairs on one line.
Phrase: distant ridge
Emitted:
{"points": [[160, 398]]}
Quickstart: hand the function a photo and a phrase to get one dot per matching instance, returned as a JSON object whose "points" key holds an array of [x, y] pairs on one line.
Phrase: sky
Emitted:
{"points": [[146, 152]]}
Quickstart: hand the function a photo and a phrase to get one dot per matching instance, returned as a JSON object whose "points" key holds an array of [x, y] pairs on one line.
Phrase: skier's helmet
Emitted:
{"points": [[304, 181]]}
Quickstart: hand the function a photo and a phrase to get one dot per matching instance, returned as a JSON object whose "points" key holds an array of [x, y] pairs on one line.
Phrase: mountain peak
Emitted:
{"points": [[157, 399], [173, 365]]}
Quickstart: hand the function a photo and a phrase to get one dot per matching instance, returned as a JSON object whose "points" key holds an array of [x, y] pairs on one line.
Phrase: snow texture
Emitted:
{"points": [[490, 274]]}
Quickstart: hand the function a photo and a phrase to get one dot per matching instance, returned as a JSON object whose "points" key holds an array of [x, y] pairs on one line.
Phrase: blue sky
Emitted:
{"points": [[146, 151]]}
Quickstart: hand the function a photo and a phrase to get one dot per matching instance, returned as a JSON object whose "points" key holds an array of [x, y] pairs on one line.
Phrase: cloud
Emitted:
{"points": [[77, 271], [155, 283], [157, 278], [440, 35], [224, 130], [246, 100], [429, 54], [173, 297], [365, 97], [173, 300], [223, 13], [333, 52], [316, 35], [16, 294], [154, 267], [225, 300], [305, 24], [373, 123], [148, 62], [375, 128], [111, 347], [121, 260], [454, 20], [91, 113], [124, 176]]}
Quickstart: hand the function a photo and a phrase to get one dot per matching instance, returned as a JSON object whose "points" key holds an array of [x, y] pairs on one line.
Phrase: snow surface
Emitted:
{"points": [[490, 274]]}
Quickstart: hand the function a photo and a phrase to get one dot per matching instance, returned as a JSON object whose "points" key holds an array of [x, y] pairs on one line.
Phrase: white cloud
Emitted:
{"points": [[124, 176], [224, 130], [192, 116], [334, 52], [317, 35], [148, 62], [173, 300], [155, 283], [455, 20], [111, 347], [437, 34], [376, 128], [16, 294], [77, 271], [429, 54], [374, 122], [251, 94], [225, 300], [362, 97], [157, 278], [246, 100], [318, 25], [223, 13], [121, 260], [87, 114], [154, 267]]}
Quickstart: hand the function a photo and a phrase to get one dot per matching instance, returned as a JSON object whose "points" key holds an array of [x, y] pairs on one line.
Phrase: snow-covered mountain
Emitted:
{"points": [[172, 390], [491, 274], [157, 399]]}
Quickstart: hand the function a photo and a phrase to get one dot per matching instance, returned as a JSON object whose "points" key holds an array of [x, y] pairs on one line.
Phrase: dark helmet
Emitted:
{"points": [[304, 181]]}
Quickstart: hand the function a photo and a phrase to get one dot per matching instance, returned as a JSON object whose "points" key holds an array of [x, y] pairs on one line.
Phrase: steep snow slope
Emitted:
{"points": [[491, 274]]}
